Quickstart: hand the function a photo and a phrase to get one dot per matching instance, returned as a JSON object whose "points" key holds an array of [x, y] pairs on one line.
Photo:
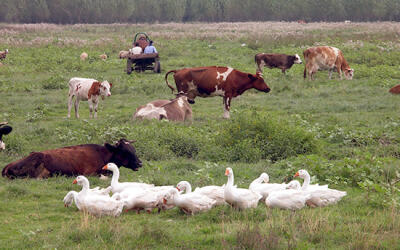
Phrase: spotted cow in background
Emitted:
{"points": [[326, 58], [177, 109], [85, 89], [4, 130], [215, 81], [280, 61]]}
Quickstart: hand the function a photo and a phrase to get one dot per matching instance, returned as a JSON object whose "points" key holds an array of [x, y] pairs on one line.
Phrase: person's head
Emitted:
{"points": [[151, 42]]}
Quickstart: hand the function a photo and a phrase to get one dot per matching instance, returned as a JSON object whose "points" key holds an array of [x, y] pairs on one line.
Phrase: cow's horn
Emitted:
{"points": [[130, 141]]}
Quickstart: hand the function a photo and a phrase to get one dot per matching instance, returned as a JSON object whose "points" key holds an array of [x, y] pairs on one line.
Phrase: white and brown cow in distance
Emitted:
{"points": [[326, 58], [216, 81], [85, 89], [280, 61], [177, 109]]}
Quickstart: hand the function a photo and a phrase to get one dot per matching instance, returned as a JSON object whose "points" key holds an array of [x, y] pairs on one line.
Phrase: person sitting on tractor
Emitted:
{"points": [[150, 48], [136, 50]]}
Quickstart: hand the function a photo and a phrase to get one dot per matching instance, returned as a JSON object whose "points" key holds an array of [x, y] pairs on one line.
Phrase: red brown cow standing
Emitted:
{"points": [[216, 81], [86, 159]]}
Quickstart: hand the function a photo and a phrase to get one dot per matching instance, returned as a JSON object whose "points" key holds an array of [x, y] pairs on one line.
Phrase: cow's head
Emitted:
{"points": [[258, 82], [297, 59], [105, 89], [124, 154], [349, 73]]}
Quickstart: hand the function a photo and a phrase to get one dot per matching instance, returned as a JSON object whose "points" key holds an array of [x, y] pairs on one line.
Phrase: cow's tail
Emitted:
{"points": [[24, 167], [166, 80]]}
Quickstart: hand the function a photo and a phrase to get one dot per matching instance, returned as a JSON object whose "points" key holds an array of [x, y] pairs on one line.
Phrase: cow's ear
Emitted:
{"points": [[251, 77], [110, 147]]}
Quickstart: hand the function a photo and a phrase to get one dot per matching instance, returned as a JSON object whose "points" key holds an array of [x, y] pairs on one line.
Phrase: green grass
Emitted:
{"points": [[346, 133]]}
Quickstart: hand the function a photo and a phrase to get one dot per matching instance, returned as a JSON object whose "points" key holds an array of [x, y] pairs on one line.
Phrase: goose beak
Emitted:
{"points": [[178, 189], [105, 167], [75, 181], [297, 174], [164, 201], [226, 172]]}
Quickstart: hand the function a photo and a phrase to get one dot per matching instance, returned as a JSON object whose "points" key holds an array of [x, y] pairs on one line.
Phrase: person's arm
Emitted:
{"points": [[3, 123], [155, 51]]}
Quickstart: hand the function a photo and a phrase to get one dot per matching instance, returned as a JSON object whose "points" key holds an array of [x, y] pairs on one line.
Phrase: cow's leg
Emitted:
{"points": [[330, 73], [76, 107], [96, 104], [70, 99], [227, 104], [90, 108], [259, 66], [340, 73]]}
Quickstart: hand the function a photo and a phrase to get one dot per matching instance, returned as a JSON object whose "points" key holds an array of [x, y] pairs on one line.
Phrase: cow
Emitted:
{"points": [[177, 109], [3, 54], [215, 81], [85, 89], [85, 159], [280, 61], [395, 90], [4, 130], [326, 58]]}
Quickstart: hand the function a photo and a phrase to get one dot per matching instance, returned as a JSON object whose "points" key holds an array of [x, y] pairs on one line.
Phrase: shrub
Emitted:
{"points": [[250, 136]]}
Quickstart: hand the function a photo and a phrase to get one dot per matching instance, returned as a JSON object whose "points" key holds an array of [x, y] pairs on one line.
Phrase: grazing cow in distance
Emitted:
{"points": [[177, 109], [3, 54], [84, 56], [280, 61], [4, 130], [86, 159], [216, 81], [85, 89], [326, 58]]}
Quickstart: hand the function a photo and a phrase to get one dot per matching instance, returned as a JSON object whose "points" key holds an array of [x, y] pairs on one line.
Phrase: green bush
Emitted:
{"points": [[254, 137]]}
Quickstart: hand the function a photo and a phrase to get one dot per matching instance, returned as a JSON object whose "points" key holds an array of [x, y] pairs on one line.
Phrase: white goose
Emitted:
{"points": [[287, 199], [117, 186], [190, 203], [213, 192], [239, 197], [265, 188], [70, 197], [94, 203], [320, 196], [148, 200]]}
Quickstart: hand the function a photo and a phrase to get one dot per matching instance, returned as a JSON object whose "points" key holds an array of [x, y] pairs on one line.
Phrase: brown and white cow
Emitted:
{"points": [[85, 89], [177, 109], [216, 81], [86, 159], [280, 61], [4, 130], [326, 58]]}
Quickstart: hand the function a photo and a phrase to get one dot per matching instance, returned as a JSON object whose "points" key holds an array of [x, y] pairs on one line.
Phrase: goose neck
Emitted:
{"points": [[306, 182]]}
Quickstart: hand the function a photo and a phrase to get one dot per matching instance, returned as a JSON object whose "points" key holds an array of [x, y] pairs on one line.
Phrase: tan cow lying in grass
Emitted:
{"points": [[177, 109], [85, 89]]}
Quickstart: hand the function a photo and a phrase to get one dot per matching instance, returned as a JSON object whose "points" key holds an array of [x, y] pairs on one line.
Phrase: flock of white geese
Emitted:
{"points": [[141, 196]]}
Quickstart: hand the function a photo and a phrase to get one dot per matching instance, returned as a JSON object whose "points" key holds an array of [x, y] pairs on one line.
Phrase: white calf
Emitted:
{"points": [[85, 89]]}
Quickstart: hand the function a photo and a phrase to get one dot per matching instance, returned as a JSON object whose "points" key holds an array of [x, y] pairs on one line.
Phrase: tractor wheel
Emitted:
{"points": [[157, 67], [129, 66]]}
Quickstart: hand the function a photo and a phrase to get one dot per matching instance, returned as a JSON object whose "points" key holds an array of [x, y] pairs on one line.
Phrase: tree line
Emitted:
{"points": [[139, 11]]}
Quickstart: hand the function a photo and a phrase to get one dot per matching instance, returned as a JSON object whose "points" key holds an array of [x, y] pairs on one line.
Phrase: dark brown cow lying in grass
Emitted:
{"points": [[86, 159], [177, 109], [216, 81]]}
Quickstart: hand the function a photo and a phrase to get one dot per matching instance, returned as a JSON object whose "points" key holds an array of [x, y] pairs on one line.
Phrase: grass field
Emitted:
{"points": [[345, 133]]}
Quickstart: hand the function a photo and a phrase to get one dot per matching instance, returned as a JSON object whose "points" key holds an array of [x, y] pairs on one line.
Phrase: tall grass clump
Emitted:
{"points": [[250, 137]]}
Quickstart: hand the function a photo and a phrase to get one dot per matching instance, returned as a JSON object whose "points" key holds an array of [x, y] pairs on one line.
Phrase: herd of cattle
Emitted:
{"points": [[226, 82]]}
